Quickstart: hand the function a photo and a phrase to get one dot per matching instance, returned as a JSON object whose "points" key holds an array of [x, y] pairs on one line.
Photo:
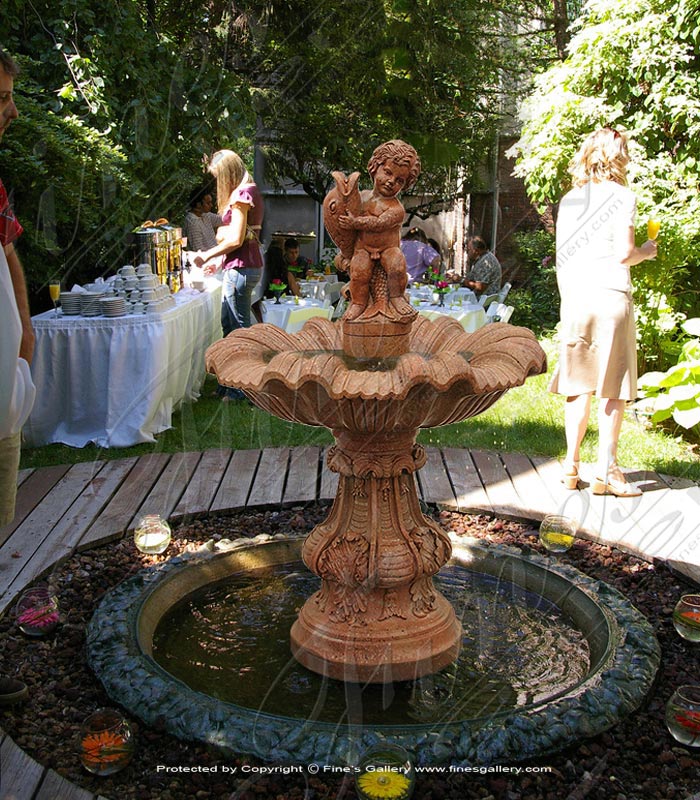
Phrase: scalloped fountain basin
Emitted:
{"points": [[499, 703]]}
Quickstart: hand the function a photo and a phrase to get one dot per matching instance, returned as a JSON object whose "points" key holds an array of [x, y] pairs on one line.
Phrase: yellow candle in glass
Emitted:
{"points": [[653, 228]]}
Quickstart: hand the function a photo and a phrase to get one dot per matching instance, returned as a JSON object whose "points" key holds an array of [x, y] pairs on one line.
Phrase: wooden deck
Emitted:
{"points": [[61, 510]]}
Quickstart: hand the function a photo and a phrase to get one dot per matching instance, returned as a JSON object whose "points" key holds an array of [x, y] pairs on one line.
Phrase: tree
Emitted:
{"points": [[633, 65], [103, 140]]}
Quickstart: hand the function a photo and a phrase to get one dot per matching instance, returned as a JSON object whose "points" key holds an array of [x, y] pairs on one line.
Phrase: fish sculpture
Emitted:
{"points": [[344, 197]]}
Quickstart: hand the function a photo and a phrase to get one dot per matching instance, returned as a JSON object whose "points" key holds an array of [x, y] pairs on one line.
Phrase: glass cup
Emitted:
{"points": [[106, 742], [55, 293], [36, 612], [653, 228], [686, 617], [557, 533], [152, 535], [683, 715], [385, 772]]}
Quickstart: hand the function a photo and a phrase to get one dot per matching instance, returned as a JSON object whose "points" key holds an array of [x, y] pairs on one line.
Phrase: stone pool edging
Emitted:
{"points": [[136, 682]]}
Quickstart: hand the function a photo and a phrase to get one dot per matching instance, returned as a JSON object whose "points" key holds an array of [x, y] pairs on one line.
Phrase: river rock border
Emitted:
{"points": [[140, 685]]}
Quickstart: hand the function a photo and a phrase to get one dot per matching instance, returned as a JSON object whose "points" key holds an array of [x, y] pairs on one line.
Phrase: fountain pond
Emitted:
{"points": [[199, 645]]}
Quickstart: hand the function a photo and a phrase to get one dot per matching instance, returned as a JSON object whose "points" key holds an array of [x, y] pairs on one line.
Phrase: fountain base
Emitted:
{"points": [[394, 649]]}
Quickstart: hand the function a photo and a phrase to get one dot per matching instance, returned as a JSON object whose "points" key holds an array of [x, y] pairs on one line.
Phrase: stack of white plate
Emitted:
{"points": [[70, 303], [113, 306], [90, 304]]}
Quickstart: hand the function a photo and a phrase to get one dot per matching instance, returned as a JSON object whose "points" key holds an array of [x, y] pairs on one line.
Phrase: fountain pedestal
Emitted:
{"points": [[377, 616]]}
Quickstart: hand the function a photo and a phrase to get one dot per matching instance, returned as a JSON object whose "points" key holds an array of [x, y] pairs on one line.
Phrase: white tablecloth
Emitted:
{"points": [[115, 381], [277, 313]]}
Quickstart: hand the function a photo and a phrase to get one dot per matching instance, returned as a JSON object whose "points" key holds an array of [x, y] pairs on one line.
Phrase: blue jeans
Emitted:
{"points": [[237, 289], [236, 293]]}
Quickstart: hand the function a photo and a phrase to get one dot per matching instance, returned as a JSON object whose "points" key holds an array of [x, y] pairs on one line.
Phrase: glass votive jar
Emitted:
{"points": [[36, 612], [152, 535], [385, 772], [557, 533], [686, 617], [683, 715], [106, 742]]}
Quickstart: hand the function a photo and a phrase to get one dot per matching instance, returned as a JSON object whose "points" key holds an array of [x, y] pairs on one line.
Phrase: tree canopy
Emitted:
{"points": [[121, 101]]}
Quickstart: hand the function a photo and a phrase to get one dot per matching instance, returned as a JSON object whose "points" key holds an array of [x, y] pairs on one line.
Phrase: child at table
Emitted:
{"points": [[394, 166]]}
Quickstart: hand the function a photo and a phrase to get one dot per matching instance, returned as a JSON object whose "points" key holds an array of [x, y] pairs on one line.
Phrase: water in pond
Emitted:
{"points": [[231, 640]]}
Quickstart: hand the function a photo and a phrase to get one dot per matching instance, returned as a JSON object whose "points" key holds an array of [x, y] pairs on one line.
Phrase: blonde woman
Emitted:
{"points": [[240, 205], [595, 250]]}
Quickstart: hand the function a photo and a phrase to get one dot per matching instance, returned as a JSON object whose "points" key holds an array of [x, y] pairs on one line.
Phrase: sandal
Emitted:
{"points": [[616, 484], [570, 477]]}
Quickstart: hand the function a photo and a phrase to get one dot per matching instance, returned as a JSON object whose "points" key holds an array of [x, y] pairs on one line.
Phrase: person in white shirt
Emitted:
{"points": [[595, 250], [16, 334], [201, 223]]}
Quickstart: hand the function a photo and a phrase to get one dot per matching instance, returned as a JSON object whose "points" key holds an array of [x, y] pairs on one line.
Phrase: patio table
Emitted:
{"points": [[116, 381]]}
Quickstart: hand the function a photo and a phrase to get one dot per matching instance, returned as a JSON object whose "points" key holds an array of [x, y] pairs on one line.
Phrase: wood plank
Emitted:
{"points": [[468, 488], [30, 494], [170, 486], [531, 490], [302, 475], [497, 483], [569, 503], [114, 520], [435, 480], [235, 484], [268, 483], [329, 479], [22, 475], [38, 527], [19, 774], [203, 485], [55, 787], [68, 531]]}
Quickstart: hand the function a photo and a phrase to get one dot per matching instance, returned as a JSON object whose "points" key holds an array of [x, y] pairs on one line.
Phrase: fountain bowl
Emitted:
{"points": [[624, 657]]}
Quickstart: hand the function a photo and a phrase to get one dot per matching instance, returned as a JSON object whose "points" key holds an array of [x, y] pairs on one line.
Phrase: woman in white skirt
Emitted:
{"points": [[595, 250]]}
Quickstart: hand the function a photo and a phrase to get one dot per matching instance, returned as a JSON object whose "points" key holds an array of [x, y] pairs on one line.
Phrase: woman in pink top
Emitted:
{"points": [[238, 239]]}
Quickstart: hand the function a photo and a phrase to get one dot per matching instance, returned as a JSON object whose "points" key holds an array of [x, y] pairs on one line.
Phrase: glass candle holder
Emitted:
{"points": [[152, 535], [557, 533], [686, 617], [683, 715], [36, 612], [385, 772], [106, 742]]}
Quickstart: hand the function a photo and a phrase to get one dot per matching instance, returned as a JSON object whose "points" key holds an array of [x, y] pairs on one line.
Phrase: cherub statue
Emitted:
{"points": [[366, 227]]}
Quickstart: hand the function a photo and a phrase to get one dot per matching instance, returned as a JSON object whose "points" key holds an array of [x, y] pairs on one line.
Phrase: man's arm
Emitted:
{"points": [[26, 348]]}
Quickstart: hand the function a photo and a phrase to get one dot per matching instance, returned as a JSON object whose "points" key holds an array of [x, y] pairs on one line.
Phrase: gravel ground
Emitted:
{"points": [[638, 760]]}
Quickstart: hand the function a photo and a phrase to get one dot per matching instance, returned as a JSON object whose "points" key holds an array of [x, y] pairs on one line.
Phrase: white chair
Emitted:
{"points": [[339, 309], [507, 313], [504, 292], [298, 316], [492, 311], [330, 291], [486, 299]]}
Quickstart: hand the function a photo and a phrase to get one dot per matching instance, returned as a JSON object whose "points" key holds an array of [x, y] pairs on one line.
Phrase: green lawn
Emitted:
{"points": [[527, 420]]}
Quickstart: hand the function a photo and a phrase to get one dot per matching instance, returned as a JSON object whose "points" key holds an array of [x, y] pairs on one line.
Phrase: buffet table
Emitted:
{"points": [[115, 381]]}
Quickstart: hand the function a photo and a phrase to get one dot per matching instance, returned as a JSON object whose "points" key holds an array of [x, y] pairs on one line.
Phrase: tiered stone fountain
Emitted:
{"points": [[374, 379]]}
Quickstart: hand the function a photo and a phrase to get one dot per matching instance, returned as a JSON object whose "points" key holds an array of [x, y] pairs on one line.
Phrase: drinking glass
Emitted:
{"points": [[385, 771], [106, 743], [36, 612], [653, 228], [557, 533], [152, 535], [683, 715], [55, 292], [686, 617]]}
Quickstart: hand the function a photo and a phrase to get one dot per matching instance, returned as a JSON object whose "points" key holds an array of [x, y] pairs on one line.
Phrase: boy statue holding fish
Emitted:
{"points": [[366, 226]]}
